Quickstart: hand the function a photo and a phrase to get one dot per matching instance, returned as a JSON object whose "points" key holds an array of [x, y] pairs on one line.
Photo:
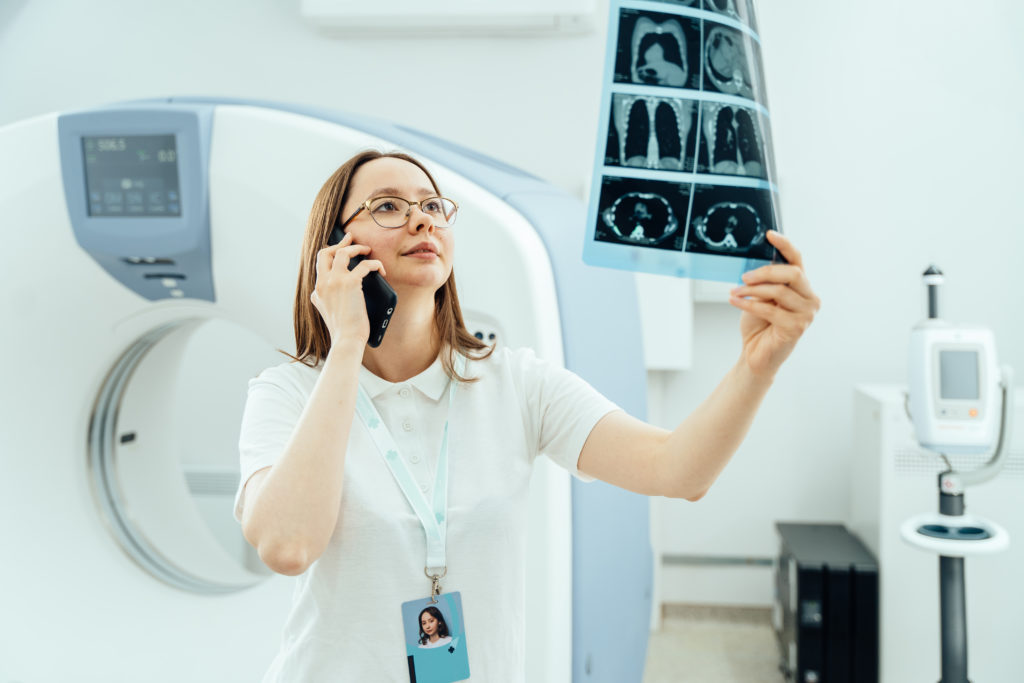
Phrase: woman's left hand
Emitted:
{"points": [[778, 304]]}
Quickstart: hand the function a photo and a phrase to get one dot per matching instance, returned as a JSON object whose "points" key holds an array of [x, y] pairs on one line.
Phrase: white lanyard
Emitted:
{"points": [[433, 517]]}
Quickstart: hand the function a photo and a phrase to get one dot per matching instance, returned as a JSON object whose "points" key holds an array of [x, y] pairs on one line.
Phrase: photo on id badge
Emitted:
{"points": [[435, 639]]}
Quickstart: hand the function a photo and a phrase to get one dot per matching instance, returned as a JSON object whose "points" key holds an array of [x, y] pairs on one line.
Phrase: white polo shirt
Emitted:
{"points": [[345, 623]]}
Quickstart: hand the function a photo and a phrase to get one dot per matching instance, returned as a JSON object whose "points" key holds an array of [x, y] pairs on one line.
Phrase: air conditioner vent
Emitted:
{"points": [[450, 18]]}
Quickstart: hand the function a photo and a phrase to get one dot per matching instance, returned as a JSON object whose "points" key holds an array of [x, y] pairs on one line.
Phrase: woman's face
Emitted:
{"points": [[428, 623], [397, 248]]}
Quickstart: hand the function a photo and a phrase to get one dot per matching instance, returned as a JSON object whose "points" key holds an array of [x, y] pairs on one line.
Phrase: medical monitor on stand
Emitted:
{"points": [[955, 404]]}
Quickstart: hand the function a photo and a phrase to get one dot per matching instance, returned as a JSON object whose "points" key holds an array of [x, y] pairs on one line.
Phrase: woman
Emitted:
{"points": [[321, 499], [433, 628]]}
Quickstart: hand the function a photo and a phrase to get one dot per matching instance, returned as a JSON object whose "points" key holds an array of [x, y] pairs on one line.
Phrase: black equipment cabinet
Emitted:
{"points": [[826, 605]]}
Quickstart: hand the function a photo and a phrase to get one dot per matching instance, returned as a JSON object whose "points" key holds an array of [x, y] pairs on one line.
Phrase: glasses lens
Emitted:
{"points": [[441, 210], [389, 212]]}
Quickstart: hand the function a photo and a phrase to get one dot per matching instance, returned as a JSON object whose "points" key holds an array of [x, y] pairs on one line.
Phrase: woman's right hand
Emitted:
{"points": [[338, 292]]}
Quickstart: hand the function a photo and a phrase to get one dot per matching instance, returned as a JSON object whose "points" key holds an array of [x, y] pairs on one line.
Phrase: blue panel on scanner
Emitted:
{"points": [[611, 543], [136, 185]]}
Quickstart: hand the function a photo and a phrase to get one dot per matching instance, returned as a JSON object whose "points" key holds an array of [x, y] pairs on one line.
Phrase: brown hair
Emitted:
{"points": [[312, 339]]}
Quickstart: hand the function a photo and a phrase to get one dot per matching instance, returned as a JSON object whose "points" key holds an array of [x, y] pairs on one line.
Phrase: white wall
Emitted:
{"points": [[898, 136], [529, 102]]}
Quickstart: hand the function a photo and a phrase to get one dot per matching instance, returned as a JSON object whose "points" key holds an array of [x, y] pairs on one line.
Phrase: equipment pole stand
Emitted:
{"points": [[953, 601], [954, 619]]}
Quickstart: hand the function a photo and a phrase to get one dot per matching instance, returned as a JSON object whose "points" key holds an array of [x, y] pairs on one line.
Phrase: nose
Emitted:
{"points": [[419, 220]]}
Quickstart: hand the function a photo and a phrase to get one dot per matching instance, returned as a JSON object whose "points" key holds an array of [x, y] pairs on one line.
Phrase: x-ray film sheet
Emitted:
{"points": [[684, 173]]}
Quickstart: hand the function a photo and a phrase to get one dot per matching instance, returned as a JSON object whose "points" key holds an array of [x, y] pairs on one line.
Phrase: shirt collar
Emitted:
{"points": [[431, 382]]}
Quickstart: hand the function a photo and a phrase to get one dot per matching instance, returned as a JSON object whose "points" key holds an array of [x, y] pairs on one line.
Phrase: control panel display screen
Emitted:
{"points": [[958, 372], [132, 175]]}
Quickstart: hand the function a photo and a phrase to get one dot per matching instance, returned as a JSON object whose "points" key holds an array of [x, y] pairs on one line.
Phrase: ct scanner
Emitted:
{"points": [[149, 270]]}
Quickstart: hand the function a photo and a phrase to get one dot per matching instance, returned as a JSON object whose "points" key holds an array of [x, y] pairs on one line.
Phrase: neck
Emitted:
{"points": [[434, 637], [411, 343]]}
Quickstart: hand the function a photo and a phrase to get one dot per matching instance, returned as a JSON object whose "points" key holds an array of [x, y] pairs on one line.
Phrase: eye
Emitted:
{"points": [[389, 205], [433, 206]]}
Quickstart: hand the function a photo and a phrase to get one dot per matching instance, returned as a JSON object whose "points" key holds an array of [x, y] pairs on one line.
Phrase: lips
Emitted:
{"points": [[422, 247]]}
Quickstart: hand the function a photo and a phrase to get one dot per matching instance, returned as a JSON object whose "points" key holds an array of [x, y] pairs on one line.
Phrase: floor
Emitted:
{"points": [[713, 645]]}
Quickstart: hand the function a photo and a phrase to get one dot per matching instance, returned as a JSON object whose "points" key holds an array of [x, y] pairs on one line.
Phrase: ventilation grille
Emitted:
{"points": [[916, 461], [212, 482]]}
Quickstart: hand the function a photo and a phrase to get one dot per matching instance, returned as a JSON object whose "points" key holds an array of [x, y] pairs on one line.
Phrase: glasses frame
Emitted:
{"points": [[365, 206]]}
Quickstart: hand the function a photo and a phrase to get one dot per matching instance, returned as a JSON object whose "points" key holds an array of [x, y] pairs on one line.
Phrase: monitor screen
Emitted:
{"points": [[958, 375], [132, 175]]}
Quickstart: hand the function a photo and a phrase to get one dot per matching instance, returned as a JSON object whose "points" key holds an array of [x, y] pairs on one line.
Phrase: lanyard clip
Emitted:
{"points": [[435, 586]]}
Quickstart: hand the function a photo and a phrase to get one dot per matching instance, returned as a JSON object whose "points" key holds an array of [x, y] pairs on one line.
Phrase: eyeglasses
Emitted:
{"points": [[393, 212]]}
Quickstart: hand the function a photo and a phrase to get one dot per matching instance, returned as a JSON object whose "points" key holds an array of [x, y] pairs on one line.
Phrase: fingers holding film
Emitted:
{"points": [[786, 248], [764, 310], [791, 276], [790, 324], [784, 296]]}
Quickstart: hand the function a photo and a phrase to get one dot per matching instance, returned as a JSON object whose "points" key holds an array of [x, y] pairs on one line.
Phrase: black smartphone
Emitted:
{"points": [[377, 293]]}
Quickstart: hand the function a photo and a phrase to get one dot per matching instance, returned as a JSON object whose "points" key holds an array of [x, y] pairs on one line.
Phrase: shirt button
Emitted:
{"points": [[424, 487], [415, 459], [404, 392], [407, 426]]}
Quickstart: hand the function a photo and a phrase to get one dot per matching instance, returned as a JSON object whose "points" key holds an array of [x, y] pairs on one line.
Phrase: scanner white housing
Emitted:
{"points": [[131, 338]]}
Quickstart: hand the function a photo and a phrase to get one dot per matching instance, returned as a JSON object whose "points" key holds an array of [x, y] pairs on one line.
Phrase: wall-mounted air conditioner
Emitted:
{"points": [[450, 18]]}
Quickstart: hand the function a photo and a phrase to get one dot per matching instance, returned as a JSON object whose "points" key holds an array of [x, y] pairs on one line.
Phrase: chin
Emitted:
{"points": [[426, 276], [420, 281]]}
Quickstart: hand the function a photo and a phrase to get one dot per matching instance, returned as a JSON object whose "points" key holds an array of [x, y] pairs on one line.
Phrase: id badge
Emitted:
{"points": [[435, 639]]}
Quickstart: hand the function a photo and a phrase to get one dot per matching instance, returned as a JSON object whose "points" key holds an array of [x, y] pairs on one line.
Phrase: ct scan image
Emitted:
{"points": [[685, 117], [642, 213], [754, 50], [658, 133], [658, 49], [730, 62], [735, 139], [731, 221], [740, 10]]}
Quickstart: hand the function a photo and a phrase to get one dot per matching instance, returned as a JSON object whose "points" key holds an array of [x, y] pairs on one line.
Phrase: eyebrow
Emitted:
{"points": [[395, 192]]}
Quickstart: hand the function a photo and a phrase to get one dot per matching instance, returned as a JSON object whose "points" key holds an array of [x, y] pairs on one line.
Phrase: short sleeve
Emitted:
{"points": [[272, 410], [560, 409]]}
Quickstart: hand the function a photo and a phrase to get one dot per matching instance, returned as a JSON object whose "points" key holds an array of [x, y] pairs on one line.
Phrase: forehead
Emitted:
{"points": [[388, 173]]}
